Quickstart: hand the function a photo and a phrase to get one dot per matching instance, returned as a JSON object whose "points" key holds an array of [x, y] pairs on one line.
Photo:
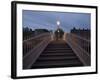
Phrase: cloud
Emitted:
{"points": [[43, 19]]}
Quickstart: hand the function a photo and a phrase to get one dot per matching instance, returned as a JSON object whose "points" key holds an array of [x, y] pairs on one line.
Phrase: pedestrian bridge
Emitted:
{"points": [[44, 51]]}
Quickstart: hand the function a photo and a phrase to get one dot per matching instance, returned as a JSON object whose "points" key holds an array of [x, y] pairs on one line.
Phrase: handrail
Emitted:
{"points": [[32, 56], [80, 46], [79, 37], [81, 42], [29, 44], [35, 37]]}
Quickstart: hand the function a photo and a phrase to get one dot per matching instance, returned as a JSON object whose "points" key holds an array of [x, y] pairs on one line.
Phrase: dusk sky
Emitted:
{"points": [[47, 20]]}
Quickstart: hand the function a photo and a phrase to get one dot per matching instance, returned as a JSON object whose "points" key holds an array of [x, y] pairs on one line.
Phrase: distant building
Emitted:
{"points": [[27, 33], [85, 33]]}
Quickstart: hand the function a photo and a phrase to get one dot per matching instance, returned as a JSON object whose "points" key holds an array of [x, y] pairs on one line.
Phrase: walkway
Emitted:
{"points": [[57, 54]]}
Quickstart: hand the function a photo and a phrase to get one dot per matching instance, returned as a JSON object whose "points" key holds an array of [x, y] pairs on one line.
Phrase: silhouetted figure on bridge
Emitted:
{"points": [[59, 32]]}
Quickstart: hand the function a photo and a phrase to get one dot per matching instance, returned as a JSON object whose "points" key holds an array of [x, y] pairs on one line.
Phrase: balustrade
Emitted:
{"points": [[81, 47], [30, 43], [79, 41], [33, 47]]}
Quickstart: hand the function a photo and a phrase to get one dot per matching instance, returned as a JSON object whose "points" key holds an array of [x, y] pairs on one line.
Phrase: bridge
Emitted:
{"points": [[44, 51]]}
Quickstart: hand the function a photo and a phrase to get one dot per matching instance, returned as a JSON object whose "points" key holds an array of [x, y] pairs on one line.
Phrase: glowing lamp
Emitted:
{"points": [[58, 22]]}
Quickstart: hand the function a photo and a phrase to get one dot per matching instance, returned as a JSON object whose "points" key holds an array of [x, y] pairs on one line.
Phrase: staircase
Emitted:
{"points": [[57, 54]]}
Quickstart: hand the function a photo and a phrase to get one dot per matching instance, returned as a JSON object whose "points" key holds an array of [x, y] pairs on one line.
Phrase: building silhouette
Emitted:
{"points": [[85, 33]]}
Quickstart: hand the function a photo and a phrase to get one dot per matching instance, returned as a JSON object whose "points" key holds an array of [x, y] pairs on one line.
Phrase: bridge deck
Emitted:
{"points": [[57, 54]]}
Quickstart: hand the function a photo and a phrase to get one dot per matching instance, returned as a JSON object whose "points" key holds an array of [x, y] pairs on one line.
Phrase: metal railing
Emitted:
{"points": [[33, 47], [80, 46], [79, 41], [30, 43]]}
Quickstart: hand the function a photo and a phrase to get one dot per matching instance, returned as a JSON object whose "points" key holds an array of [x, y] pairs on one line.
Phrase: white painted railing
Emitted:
{"points": [[30, 43], [34, 47], [80, 46]]}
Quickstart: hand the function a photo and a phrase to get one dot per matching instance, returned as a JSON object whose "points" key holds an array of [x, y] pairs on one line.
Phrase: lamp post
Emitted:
{"points": [[58, 24]]}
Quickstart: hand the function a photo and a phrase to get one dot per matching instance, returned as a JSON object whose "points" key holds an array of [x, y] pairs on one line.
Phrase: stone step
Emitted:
{"points": [[57, 54], [58, 51], [56, 57], [58, 48], [57, 63]]}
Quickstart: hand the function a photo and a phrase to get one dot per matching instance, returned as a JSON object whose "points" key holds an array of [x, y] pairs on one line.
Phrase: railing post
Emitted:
{"points": [[33, 47], [80, 46], [64, 36]]}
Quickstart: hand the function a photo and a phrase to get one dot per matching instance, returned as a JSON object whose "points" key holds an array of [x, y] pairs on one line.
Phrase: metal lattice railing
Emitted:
{"points": [[30, 43], [79, 41], [81, 46]]}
